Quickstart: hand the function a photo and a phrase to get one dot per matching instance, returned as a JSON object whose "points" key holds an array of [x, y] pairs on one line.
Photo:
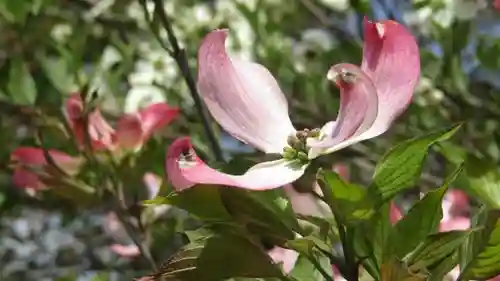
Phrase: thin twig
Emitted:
{"points": [[179, 55], [150, 22], [123, 216]]}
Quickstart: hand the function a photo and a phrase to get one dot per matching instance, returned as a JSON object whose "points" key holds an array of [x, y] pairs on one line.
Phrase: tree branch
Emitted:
{"points": [[179, 55]]}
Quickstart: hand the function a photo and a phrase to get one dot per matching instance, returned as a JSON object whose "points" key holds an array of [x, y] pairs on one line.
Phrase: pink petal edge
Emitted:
{"points": [[391, 58], [33, 156], [358, 107], [102, 135], [242, 96], [134, 129], [391, 61], [25, 179], [185, 173]]}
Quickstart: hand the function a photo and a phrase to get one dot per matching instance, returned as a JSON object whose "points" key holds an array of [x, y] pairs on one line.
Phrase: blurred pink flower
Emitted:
{"points": [[286, 257], [394, 213], [336, 274], [132, 130], [29, 162], [455, 204], [496, 4], [247, 102]]}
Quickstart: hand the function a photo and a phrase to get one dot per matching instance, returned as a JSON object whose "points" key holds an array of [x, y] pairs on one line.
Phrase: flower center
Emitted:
{"points": [[297, 149]]}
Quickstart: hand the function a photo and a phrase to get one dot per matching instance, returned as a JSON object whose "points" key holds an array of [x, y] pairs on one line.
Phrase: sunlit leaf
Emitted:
{"points": [[484, 181], [349, 201], [485, 263], [421, 220], [400, 168], [396, 270], [257, 214], [435, 248]]}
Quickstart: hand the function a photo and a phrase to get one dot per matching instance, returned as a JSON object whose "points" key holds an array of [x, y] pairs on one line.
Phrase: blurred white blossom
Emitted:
{"points": [[61, 32], [109, 57], [140, 96], [319, 38], [443, 13], [467, 9], [427, 93], [155, 67], [242, 36], [313, 39], [337, 5]]}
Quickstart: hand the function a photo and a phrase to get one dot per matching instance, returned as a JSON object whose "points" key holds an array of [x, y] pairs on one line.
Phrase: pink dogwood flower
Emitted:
{"points": [[28, 162], [247, 102], [132, 130]]}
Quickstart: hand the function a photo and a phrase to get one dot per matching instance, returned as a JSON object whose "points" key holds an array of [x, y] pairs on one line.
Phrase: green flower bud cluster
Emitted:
{"points": [[297, 149]]}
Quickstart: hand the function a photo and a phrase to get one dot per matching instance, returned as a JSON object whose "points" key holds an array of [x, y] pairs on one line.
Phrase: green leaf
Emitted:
{"points": [[435, 248], [203, 202], [307, 244], [370, 240], [421, 220], [230, 255], [475, 240], [15, 11], [2, 199], [183, 264], [198, 234], [58, 73], [460, 37], [396, 270], [487, 49], [484, 181], [258, 215], [485, 263], [102, 276], [304, 270], [21, 86], [278, 202], [439, 270], [348, 201], [401, 166]]}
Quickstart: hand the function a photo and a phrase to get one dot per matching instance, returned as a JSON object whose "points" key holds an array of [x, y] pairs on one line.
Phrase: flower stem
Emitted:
{"points": [[179, 55], [351, 266]]}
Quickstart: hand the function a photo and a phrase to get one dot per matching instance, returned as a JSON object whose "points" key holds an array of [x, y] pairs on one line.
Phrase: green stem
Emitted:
{"points": [[351, 266]]}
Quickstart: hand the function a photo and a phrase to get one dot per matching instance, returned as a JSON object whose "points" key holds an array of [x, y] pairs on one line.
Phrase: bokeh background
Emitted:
{"points": [[51, 48]]}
